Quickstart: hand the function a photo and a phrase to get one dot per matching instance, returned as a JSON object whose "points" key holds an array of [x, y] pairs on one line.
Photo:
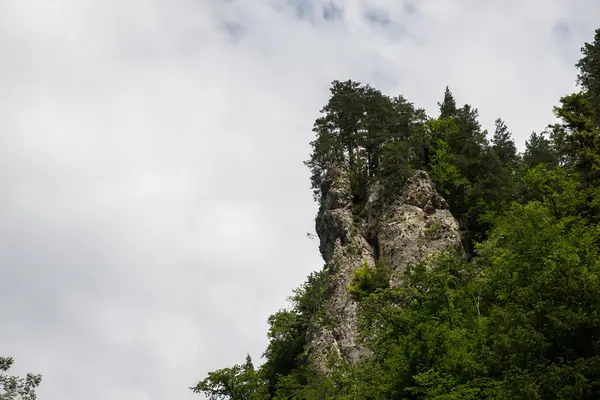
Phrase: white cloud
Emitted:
{"points": [[154, 203]]}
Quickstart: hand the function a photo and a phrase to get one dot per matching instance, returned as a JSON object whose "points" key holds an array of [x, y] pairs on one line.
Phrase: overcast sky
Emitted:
{"points": [[153, 201]]}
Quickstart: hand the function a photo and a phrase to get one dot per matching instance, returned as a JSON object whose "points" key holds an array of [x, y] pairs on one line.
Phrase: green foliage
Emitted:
{"points": [[544, 275], [383, 139], [503, 144], [288, 330], [284, 354], [580, 145], [448, 106], [554, 187], [366, 132], [286, 344], [589, 73], [538, 150], [240, 382], [369, 280], [448, 178], [518, 323], [468, 172], [517, 318], [307, 299], [15, 388], [395, 169]]}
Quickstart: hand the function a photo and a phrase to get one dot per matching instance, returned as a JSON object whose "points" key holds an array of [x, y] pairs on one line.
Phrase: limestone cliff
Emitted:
{"points": [[402, 231]]}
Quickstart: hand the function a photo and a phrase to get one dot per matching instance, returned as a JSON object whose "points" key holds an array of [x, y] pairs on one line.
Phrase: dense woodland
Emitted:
{"points": [[518, 318]]}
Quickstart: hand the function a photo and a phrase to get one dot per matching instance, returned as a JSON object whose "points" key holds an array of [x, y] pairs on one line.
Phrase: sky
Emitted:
{"points": [[153, 201]]}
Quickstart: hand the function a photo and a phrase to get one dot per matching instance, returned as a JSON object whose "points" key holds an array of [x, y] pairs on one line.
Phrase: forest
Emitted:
{"points": [[517, 318]]}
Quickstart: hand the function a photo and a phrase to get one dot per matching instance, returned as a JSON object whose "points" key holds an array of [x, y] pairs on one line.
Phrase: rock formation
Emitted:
{"points": [[402, 232]]}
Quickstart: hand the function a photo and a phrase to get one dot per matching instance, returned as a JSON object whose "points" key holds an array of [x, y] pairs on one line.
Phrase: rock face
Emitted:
{"points": [[402, 232]]}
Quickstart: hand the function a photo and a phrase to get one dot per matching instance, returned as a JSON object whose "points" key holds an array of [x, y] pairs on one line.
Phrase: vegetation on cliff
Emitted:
{"points": [[518, 318]]}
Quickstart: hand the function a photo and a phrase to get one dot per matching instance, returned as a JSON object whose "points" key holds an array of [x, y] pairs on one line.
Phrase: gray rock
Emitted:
{"points": [[407, 230]]}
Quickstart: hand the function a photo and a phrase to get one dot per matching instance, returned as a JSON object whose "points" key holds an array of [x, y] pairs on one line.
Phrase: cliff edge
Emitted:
{"points": [[402, 231]]}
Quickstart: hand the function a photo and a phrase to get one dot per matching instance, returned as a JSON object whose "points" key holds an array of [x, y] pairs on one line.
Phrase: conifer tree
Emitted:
{"points": [[589, 74], [503, 143], [448, 106]]}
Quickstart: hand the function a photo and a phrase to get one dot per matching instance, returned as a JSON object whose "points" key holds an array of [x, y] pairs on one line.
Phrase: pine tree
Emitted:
{"points": [[538, 150], [503, 143], [448, 106], [589, 74], [576, 112]]}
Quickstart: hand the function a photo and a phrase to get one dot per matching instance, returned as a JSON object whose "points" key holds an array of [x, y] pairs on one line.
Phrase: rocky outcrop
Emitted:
{"points": [[344, 250], [401, 232], [415, 226]]}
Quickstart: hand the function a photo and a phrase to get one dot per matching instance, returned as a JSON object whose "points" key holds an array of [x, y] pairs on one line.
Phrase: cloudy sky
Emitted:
{"points": [[153, 202]]}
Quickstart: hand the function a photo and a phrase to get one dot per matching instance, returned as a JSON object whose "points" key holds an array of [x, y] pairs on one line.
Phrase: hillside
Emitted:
{"points": [[455, 267]]}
